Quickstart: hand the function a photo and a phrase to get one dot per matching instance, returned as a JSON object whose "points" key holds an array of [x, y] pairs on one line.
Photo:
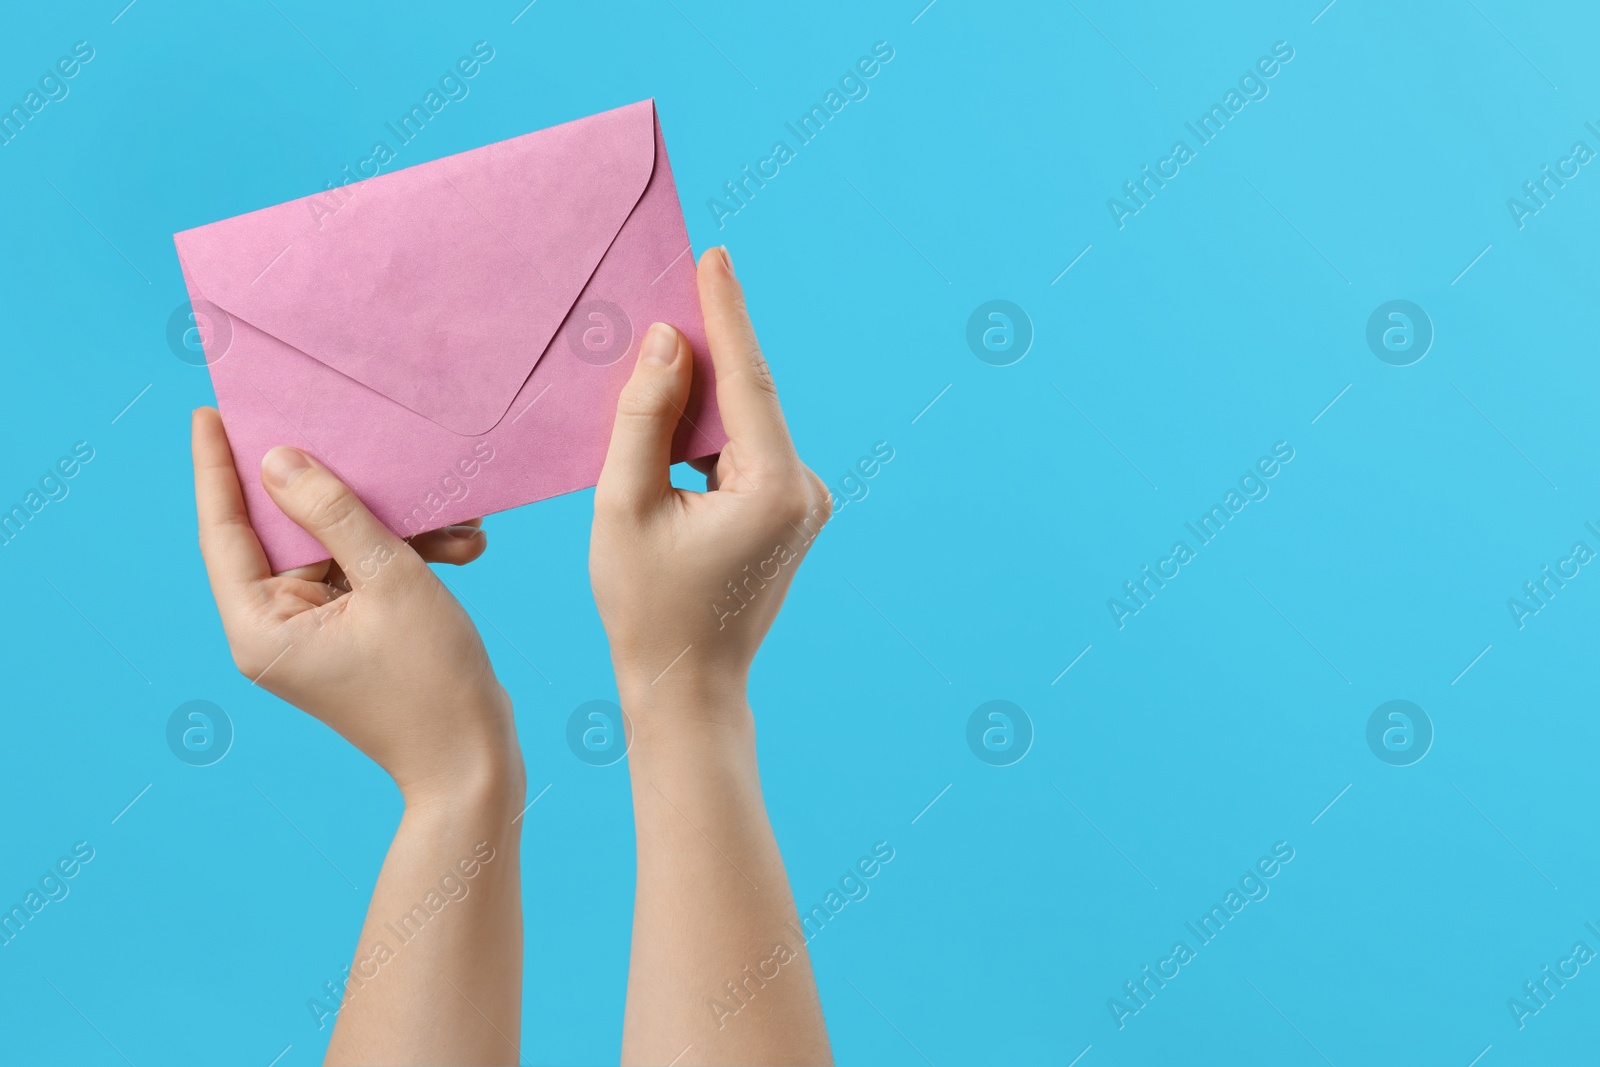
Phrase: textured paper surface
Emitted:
{"points": [[449, 339]]}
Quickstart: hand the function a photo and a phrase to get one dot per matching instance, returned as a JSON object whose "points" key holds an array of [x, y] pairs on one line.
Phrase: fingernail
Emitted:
{"points": [[727, 260], [283, 465], [660, 345], [463, 532]]}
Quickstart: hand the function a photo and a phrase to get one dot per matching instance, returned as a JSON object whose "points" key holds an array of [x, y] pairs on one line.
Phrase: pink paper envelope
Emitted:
{"points": [[451, 338]]}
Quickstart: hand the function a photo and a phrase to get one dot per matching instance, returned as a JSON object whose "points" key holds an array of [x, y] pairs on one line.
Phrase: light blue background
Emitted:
{"points": [[1223, 318]]}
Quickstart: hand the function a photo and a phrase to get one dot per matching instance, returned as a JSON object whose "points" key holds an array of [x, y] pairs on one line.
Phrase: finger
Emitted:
{"points": [[335, 582], [456, 545], [328, 510], [228, 543], [636, 471], [747, 397], [708, 466], [463, 524], [459, 544], [711, 467], [311, 572]]}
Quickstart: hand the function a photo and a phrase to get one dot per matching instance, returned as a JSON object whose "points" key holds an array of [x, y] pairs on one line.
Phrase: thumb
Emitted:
{"points": [[327, 509], [636, 469]]}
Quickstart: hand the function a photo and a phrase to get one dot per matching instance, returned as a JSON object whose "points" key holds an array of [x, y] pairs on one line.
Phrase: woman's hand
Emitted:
{"points": [[371, 642], [689, 583]]}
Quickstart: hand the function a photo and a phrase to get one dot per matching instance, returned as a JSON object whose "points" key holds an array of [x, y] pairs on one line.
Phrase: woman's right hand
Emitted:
{"points": [[689, 583], [374, 646]]}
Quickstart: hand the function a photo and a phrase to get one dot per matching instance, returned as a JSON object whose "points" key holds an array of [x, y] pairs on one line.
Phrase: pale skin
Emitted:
{"points": [[372, 644], [713, 904]]}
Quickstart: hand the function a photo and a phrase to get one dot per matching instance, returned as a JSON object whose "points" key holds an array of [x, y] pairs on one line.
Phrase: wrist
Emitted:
{"points": [[684, 682], [489, 782], [688, 725]]}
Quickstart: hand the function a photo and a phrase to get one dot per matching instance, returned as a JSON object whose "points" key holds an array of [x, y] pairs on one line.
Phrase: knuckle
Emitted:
{"points": [[331, 509], [760, 372], [789, 499], [640, 403], [821, 498]]}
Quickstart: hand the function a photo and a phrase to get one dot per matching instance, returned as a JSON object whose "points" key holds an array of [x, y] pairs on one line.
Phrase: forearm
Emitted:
{"points": [[719, 972], [437, 976]]}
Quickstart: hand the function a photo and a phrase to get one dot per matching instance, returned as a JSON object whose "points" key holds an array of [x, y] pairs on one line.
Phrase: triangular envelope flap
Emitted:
{"points": [[440, 285]]}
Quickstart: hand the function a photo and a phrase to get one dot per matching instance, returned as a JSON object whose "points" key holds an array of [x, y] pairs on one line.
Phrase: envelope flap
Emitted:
{"points": [[438, 286]]}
